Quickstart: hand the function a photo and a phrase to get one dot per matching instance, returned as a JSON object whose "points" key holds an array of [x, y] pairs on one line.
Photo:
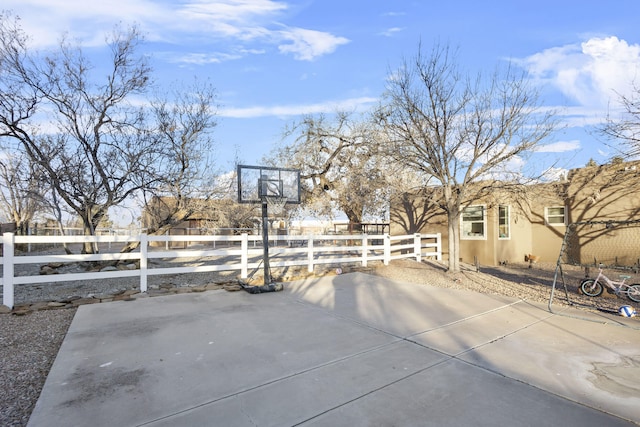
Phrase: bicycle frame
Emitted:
{"points": [[613, 284]]}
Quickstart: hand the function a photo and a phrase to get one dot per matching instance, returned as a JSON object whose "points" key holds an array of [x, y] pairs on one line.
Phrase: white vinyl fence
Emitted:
{"points": [[217, 253]]}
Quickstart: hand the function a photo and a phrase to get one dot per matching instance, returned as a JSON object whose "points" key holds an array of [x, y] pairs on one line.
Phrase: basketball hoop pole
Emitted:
{"points": [[265, 242]]}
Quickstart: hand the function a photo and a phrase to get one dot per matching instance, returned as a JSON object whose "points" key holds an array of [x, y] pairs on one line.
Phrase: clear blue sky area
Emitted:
{"points": [[272, 61]]}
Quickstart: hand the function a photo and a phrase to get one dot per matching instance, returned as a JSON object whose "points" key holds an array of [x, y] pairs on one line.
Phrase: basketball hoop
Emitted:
{"points": [[275, 204], [273, 188]]}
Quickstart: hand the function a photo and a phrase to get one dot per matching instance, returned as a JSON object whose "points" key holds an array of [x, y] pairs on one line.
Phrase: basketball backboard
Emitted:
{"points": [[256, 183]]}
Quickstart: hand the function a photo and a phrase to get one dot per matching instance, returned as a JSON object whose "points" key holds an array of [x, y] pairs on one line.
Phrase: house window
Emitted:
{"points": [[555, 215], [504, 230], [473, 223]]}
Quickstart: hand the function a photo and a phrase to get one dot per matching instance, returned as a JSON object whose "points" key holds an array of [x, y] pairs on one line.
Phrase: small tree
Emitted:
{"points": [[459, 132]]}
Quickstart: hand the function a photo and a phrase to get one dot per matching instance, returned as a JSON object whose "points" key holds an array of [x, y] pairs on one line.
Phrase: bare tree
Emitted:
{"points": [[22, 189], [105, 148], [463, 134], [338, 166], [626, 126], [99, 152], [185, 118]]}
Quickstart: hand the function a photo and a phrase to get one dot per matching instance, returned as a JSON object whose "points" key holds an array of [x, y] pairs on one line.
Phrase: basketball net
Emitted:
{"points": [[276, 204]]}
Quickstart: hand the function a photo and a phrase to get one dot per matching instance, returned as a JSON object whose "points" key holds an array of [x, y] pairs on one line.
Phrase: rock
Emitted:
{"points": [[83, 301], [69, 300], [46, 270], [126, 266], [38, 306], [108, 268], [55, 304]]}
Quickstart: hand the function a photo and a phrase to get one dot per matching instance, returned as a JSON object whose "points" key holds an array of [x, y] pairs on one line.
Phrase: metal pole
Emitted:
{"points": [[265, 242]]}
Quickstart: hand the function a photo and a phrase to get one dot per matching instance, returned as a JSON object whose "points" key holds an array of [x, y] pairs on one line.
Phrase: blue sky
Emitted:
{"points": [[272, 61]]}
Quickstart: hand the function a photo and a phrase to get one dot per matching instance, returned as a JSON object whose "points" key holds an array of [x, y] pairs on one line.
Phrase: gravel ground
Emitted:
{"points": [[28, 347], [29, 342]]}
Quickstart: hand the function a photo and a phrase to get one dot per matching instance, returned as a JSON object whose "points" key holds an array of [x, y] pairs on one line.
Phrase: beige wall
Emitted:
{"points": [[596, 193], [520, 243], [546, 239], [494, 250], [601, 194], [489, 251]]}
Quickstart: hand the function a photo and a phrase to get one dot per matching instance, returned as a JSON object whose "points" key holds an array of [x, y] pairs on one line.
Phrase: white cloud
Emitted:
{"points": [[592, 73], [307, 45], [200, 58], [45, 20], [296, 110], [208, 24], [390, 32], [559, 147]]}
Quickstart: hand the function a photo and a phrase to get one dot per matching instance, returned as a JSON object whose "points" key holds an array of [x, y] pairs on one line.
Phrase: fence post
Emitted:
{"points": [[387, 249], [244, 256], [8, 241], [143, 262], [310, 253], [417, 246], [365, 242], [439, 246]]}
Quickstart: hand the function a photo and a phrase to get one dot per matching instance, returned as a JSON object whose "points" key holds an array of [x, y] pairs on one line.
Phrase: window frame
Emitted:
{"points": [[483, 221], [507, 224], [555, 224]]}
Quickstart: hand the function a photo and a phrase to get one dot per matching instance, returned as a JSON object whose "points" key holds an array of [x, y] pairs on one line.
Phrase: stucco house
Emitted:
{"points": [[503, 228]]}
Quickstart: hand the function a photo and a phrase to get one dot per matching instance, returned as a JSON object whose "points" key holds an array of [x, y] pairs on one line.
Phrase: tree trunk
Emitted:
{"points": [[355, 219], [87, 230], [89, 222], [453, 217], [63, 233]]}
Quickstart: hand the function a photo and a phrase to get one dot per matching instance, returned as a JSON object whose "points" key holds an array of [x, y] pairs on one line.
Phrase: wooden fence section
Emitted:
{"points": [[241, 252]]}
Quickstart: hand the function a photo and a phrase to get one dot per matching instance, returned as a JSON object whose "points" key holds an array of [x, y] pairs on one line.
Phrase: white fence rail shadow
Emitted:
{"points": [[241, 252]]}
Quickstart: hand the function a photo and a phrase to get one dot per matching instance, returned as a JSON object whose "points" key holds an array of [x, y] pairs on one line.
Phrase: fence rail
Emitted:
{"points": [[241, 253]]}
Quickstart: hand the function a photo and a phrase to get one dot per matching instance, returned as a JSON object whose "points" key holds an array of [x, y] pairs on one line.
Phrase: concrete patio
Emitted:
{"points": [[353, 349]]}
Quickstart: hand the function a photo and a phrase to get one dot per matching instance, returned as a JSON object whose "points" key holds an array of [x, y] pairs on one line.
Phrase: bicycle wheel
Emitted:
{"points": [[634, 293], [591, 288]]}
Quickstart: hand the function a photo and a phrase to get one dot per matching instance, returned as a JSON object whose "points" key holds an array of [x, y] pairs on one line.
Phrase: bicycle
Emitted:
{"points": [[594, 288]]}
